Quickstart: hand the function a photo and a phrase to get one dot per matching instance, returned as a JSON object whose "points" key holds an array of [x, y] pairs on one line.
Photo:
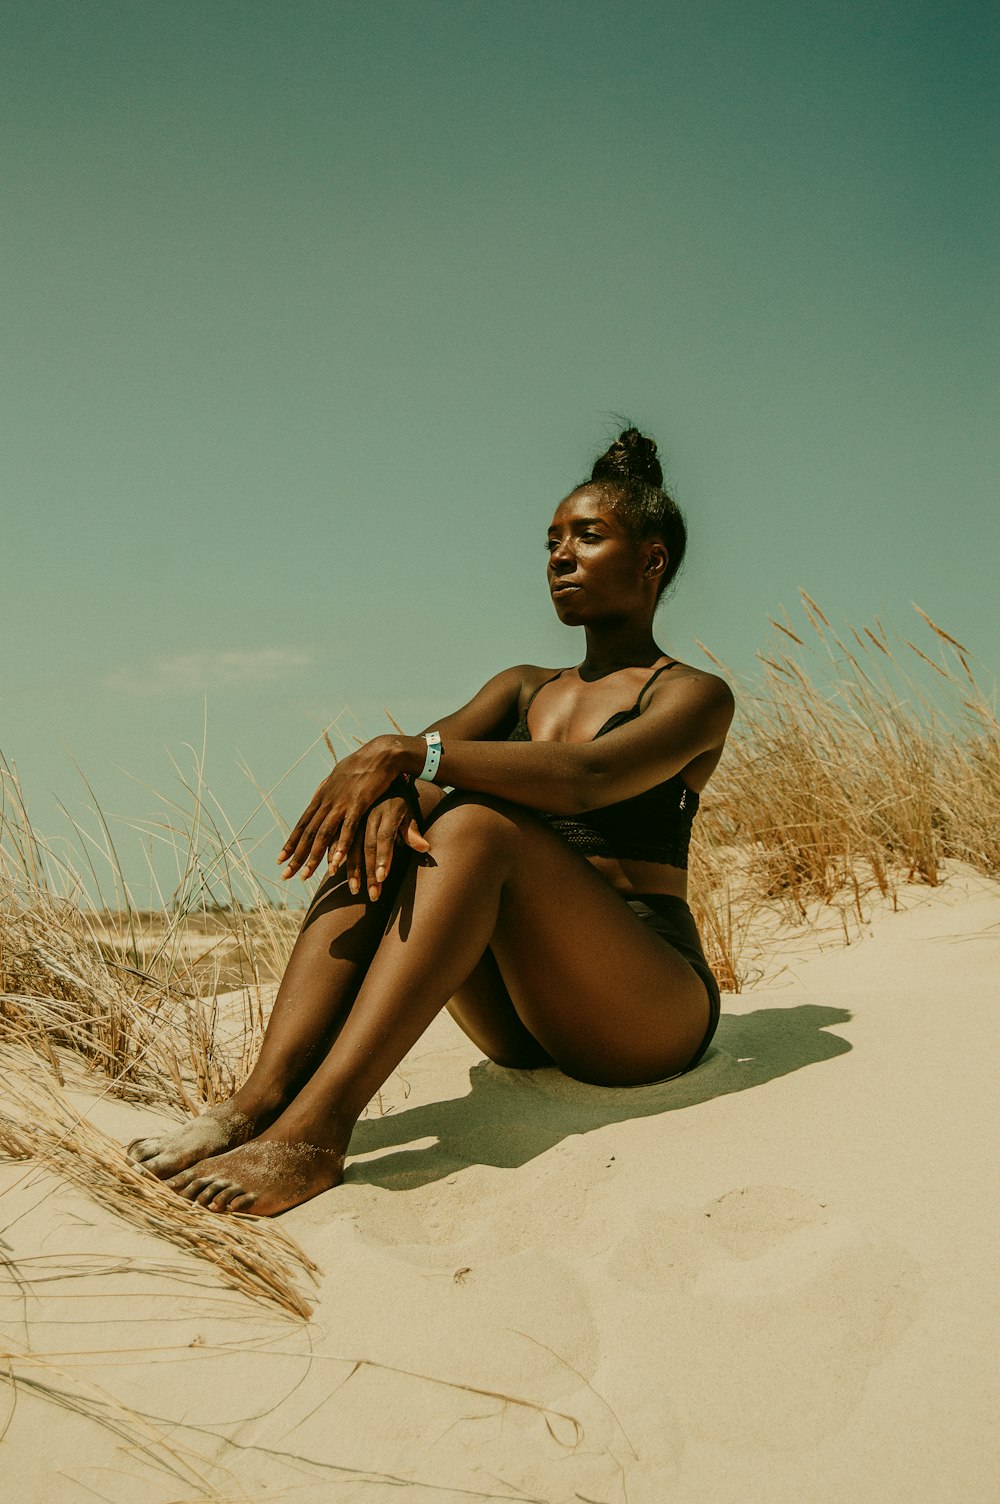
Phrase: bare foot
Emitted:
{"points": [[264, 1177], [216, 1130]]}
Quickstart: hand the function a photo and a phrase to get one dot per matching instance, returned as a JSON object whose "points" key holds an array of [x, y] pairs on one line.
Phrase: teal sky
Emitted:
{"points": [[313, 311]]}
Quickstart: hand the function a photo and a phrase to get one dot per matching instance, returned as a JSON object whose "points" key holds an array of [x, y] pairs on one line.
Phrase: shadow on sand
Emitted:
{"points": [[509, 1117]]}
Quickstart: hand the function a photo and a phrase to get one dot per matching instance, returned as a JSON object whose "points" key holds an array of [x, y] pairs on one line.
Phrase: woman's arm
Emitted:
{"points": [[367, 775], [682, 720], [492, 711], [690, 718], [393, 819]]}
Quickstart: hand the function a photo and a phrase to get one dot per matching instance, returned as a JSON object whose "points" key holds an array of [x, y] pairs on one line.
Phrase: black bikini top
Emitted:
{"points": [[654, 826]]}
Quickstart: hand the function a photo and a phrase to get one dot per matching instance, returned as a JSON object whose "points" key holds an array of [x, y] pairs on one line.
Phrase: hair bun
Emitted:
{"points": [[631, 458]]}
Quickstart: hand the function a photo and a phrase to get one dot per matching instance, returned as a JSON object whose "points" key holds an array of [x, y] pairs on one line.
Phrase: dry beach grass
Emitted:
{"points": [[856, 763]]}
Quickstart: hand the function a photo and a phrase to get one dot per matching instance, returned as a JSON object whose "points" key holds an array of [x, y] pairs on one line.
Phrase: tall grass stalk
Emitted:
{"points": [[856, 762]]}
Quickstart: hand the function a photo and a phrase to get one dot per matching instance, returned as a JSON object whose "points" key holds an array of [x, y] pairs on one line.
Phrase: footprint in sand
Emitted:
{"points": [[774, 1310], [520, 1305]]}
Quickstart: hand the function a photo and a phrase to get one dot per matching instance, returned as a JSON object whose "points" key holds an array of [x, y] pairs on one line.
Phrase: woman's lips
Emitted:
{"points": [[563, 587]]}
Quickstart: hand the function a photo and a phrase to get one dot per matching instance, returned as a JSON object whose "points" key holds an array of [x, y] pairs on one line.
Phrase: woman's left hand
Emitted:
{"points": [[337, 809]]}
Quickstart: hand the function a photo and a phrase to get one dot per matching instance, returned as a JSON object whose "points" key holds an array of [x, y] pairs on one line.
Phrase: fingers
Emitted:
{"points": [[329, 829], [318, 824], [413, 836], [394, 823], [376, 872], [298, 830], [355, 863], [300, 850], [379, 850], [335, 813], [367, 852], [296, 849], [383, 823], [336, 833], [313, 842], [365, 855], [387, 822]]}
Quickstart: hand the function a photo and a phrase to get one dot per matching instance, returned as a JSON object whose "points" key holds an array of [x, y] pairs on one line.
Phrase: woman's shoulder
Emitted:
{"points": [[530, 677], [524, 678], [710, 682], [703, 691], [510, 690]]}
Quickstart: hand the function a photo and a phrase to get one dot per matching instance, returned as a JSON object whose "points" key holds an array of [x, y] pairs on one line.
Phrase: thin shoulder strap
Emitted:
{"points": [[534, 692], [661, 670]]}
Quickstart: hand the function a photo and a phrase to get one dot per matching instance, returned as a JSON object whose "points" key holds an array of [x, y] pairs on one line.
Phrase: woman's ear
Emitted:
{"points": [[656, 561]]}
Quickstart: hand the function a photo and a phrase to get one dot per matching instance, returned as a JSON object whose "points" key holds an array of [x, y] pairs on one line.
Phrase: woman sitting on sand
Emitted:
{"points": [[543, 901]]}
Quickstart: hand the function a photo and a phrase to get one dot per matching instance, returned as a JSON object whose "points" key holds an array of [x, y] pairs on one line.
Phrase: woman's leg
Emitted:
{"points": [[605, 999], [483, 1009], [339, 936]]}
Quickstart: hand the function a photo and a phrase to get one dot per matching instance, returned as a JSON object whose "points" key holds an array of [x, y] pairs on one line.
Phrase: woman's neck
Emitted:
{"points": [[624, 645]]}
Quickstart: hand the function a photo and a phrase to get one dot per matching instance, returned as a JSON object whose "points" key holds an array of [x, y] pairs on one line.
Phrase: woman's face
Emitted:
{"points": [[596, 569]]}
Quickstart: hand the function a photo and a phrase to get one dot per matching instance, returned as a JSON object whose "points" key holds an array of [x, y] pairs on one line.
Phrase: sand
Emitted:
{"points": [[771, 1280]]}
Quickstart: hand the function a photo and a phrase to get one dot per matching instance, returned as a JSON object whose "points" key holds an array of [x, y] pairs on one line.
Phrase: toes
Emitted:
{"points": [[140, 1149], [141, 1167], [223, 1199], [179, 1182], [243, 1202], [214, 1187], [188, 1184], [214, 1191]]}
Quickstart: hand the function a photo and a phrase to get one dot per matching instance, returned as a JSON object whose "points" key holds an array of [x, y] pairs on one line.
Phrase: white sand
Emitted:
{"points": [[771, 1280]]}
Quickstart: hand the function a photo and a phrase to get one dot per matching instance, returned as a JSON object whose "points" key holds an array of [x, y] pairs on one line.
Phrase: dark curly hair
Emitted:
{"points": [[630, 474]]}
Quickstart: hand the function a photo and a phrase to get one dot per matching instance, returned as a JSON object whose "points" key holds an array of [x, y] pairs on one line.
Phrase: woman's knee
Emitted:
{"points": [[479, 812]]}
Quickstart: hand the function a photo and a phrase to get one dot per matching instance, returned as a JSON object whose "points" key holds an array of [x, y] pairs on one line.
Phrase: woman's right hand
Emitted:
{"points": [[390, 820]]}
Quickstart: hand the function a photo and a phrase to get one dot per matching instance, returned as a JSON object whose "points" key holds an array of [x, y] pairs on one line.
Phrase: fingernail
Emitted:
{"points": [[354, 885], [380, 873], [373, 892]]}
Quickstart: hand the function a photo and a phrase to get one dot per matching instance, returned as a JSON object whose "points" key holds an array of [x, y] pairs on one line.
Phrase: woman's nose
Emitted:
{"points": [[561, 556]]}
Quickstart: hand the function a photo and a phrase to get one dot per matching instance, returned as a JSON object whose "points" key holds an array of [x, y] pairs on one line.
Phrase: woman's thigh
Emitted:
{"points": [[483, 1009], [607, 999]]}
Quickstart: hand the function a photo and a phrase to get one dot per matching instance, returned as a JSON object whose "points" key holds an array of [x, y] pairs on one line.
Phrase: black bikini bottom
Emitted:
{"points": [[672, 920]]}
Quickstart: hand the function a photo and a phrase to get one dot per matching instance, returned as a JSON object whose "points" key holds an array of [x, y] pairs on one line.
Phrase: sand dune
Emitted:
{"points": [[769, 1280]]}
